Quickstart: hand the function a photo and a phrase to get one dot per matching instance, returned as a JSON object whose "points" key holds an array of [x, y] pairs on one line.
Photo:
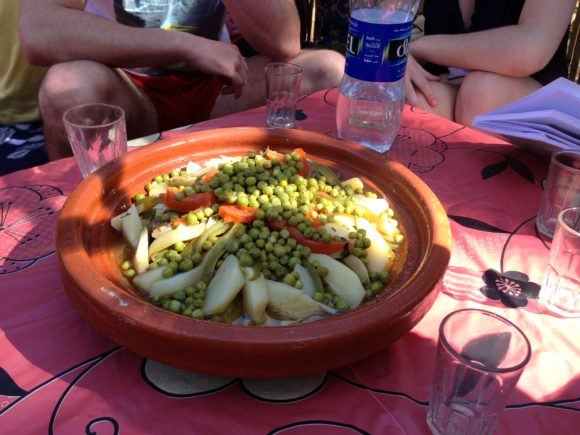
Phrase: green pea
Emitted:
{"points": [[189, 290], [158, 179], [318, 296], [198, 314], [246, 260], [206, 246], [323, 272], [186, 265], [341, 305], [196, 258], [129, 273], [174, 306], [180, 296], [126, 265], [168, 272], [376, 286], [199, 214], [289, 279], [201, 286]]}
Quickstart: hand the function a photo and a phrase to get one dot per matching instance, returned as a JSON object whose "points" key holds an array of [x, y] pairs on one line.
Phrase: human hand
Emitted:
{"points": [[417, 84], [222, 60]]}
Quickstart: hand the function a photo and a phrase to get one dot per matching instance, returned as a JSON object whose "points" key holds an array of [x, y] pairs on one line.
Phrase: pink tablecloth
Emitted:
{"points": [[58, 375]]}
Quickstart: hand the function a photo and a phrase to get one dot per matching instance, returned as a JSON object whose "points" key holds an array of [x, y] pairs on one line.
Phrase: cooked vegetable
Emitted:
{"points": [[175, 283], [354, 183], [379, 252], [290, 303], [188, 203], [267, 231], [144, 281], [131, 227], [255, 296], [141, 257], [308, 286], [359, 268], [225, 286], [341, 280], [180, 234], [374, 205]]}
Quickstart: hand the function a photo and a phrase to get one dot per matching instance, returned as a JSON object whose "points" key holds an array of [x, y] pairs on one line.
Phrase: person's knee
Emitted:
{"points": [[475, 94], [69, 84], [323, 69]]}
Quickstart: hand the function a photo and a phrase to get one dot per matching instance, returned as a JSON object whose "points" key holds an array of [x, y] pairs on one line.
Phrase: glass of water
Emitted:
{"points": [[97, 135], [562, 190], [282, 92], [480, 357], [561, 288]]}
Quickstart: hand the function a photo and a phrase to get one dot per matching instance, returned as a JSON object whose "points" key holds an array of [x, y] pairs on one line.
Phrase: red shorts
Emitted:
{"points": [[180, 99]]}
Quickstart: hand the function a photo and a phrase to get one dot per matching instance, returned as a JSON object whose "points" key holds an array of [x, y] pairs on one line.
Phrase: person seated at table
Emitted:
{"points": [[162, 79], [504, 50]]}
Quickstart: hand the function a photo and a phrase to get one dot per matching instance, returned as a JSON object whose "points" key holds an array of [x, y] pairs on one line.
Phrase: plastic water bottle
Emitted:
{"points": [[372, 95]]}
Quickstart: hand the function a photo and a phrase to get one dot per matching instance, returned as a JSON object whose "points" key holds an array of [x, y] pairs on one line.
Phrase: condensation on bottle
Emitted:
{"points": [[371, 94]]}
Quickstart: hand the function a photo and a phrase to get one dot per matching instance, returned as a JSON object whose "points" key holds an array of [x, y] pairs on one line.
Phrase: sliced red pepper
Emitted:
{"points": [[237, 214], [209, 175], [304, 159], [188, 203], [316, 246]]}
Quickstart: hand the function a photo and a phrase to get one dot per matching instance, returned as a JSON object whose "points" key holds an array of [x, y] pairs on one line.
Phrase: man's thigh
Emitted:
{"points": [[80, 82], [321, 69]]}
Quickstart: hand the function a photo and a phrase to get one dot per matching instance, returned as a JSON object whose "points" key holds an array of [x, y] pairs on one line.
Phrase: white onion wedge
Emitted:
{"points": [[341, 280], [117, 221], [354, 183], [374, 205], [141, 257], [359, 268], [255, 294], [176, 282], [308, 286], [379, 253], [180, 234], [290, 303], [224, 287], [144, 281], [131, 227]]}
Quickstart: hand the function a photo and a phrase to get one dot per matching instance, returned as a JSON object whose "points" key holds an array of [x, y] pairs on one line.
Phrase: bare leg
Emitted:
{"points": [[79, 82], [482, 91], [446, 94], [322, 69]]}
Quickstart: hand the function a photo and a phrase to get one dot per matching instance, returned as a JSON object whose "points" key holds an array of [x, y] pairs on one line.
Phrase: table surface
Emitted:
{"points": [[59, 375]]}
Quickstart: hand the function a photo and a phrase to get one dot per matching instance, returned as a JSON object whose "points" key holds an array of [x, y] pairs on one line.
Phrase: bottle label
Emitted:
{"points": [[377, 52]]}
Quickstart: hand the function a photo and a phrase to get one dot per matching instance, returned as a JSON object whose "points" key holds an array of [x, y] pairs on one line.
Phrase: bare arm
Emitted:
{"points": [[53, 31], [518, 51], [272, 27]]}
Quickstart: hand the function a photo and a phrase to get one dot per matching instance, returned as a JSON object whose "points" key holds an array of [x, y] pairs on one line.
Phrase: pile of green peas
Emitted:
{"points": [[276, 188]]}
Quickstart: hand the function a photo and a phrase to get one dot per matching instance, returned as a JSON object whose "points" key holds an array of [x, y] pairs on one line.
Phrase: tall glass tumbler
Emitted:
{"points": [[480, 357], [282, 92], [561, 288], [97, 135], [562, 190]]}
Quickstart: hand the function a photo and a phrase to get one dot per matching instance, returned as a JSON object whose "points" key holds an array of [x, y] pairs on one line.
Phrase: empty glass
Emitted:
{"points": [[97, 135], [282, 92], [480, 357], [561, 288], [562, 190]]}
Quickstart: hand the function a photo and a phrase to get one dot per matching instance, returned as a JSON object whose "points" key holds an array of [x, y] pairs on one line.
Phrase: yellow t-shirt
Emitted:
{"points": [[19, 81]]}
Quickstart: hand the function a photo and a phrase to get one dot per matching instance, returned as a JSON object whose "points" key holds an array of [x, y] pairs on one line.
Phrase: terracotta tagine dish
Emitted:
{"points": [[90, 252]]}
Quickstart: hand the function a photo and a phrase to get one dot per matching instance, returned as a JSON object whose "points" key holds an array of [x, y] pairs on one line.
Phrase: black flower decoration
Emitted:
{"points": [[512, 288]]}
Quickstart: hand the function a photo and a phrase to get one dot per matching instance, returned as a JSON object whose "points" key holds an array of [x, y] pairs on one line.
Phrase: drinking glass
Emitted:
{"points": [[97, 135], [282, 92], [561, 288], [480, 357], [562, 190]]}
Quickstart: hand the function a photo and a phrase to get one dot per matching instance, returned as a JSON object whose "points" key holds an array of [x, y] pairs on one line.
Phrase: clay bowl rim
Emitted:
{"points": [[75, 261]]}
